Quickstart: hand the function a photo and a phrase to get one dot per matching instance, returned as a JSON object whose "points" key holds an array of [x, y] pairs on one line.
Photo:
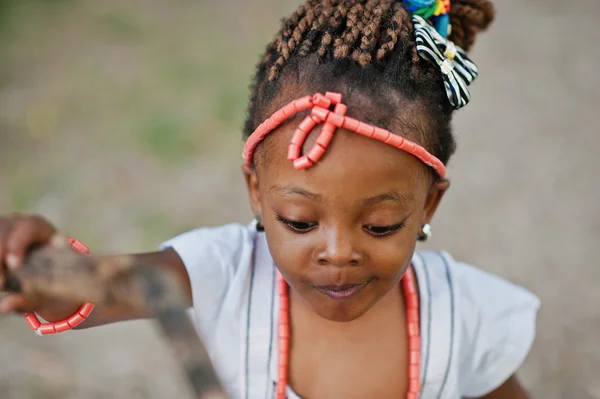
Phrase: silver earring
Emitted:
{"points": [[425, 232]]}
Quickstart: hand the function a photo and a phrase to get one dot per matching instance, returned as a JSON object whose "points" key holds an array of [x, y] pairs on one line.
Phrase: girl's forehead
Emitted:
{"points": [[351, 164]]}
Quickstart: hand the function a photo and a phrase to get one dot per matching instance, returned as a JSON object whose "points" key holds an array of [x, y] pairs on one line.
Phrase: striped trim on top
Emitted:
{"points": [[452, 310], [259, 328], [438, 327]]}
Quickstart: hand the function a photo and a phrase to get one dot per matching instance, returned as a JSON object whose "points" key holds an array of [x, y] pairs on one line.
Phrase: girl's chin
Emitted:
{"points": [[341, 316], [340, 311]]}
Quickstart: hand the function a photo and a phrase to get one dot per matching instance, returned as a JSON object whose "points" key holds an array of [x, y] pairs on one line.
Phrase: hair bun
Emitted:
{"points": [[468, 18]]}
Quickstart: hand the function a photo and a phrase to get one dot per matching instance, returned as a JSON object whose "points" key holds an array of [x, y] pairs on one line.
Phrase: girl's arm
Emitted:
{"points": [[511, 389], [20, 233], [168, 259]]}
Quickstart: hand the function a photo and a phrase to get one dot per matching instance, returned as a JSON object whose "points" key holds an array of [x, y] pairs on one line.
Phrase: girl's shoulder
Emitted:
{"points": [[477, 326], [476, 288], [226, 244], [218, 261]]}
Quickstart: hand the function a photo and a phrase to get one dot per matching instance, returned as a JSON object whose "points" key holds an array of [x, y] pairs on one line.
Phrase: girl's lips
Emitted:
{"points": [[341, 291]]}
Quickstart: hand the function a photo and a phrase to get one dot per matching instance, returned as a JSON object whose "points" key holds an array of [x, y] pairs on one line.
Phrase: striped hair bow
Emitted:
{"points": [[457, 68]]}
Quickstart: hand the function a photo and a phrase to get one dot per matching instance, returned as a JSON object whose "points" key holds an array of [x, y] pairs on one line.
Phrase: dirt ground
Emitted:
{"points": [[120, 121]]}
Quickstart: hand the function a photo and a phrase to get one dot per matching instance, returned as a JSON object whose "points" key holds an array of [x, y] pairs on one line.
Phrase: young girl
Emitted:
{"points": [[323, 295]]}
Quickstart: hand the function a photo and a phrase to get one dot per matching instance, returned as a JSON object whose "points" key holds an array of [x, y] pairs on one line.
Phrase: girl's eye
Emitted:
{"points": [[380, 231], [298, 227]]}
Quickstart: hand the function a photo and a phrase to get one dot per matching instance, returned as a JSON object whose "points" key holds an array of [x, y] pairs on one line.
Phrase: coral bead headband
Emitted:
{"points": [[320, 112]]}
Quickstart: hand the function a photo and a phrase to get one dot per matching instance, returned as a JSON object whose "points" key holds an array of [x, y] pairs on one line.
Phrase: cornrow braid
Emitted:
{"points": [[388, 41], [353, 31], [367, 47], [335, 23], [468, 17], [370, 34]]}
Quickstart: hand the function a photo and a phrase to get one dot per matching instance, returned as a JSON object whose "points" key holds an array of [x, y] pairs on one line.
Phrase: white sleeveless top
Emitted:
{"points": [[476, 328]]}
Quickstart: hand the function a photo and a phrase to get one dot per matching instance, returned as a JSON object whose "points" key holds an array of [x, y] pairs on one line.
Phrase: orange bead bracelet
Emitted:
{"points": [[69, 323]]}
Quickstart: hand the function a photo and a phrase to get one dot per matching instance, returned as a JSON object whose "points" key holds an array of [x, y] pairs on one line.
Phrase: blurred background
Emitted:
{"points": [[121, 123]]}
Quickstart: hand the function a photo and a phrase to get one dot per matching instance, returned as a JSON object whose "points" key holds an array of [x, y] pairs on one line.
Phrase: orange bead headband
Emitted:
{"points": [[319, 105]]}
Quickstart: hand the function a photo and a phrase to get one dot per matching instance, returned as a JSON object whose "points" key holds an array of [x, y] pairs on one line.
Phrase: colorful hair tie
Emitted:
{"points": [[437, 11], [457, 68]]}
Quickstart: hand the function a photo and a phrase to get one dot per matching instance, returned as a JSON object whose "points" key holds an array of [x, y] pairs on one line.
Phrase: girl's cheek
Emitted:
{"points": [[394, 257], [286, 253]]}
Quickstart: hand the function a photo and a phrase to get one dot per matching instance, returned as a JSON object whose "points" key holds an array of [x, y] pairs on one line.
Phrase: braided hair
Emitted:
{"points": [[366, 50]]}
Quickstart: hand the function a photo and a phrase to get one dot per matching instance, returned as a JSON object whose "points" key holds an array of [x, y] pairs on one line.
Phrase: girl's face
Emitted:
{"points": [[343, 231]]}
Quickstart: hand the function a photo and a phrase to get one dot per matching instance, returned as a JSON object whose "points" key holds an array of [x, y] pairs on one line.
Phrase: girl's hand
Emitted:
{"points": [[19, 234]]}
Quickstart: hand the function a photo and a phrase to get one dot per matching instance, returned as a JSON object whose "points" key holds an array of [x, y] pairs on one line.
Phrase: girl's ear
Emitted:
{"points": [[253, 191], [436, 192]]}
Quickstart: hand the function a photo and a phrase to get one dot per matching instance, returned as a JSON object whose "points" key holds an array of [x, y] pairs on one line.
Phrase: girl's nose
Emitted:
{"points": [[338, 249]]}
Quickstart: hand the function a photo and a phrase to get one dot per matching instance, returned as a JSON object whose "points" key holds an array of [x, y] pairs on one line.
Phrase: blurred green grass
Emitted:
{"points": [[121, 123], [126, 91]]}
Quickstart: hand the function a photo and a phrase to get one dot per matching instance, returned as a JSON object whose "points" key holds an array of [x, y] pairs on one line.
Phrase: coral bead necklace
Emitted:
{"points": [[409, 286]]}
